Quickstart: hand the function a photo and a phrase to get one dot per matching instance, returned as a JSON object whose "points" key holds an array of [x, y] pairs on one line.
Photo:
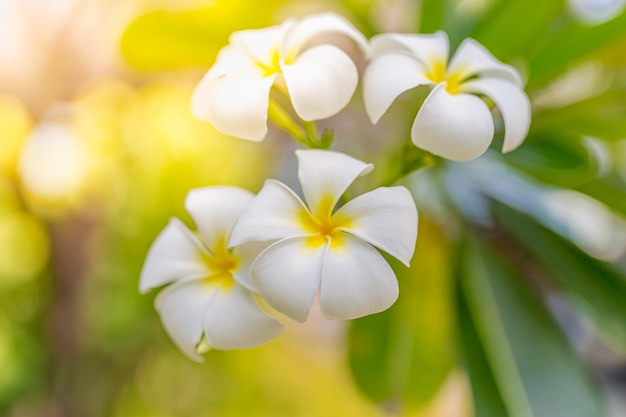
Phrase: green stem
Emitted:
{"points": [[311, 131], [408, 160], [303, 132], [323, 141], [283, 120]]}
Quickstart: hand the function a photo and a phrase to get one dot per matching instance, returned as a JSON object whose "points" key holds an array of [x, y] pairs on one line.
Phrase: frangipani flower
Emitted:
{"points": [[316, 245], [453, 122], [319, 78], [211, 297]]}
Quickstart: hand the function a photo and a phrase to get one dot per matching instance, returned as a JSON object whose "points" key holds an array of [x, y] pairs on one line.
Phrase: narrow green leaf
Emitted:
{"points": [[401, 357], [537, 373], [601, 117], [486, 395], [368, 349], [433, 15], [569, 45], [610, 190], [555, 157], [597, 284], [511, 28], [487, 314], [360, 13]]}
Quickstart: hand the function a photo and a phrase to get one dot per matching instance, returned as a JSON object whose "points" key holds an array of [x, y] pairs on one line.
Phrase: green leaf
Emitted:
{"points": [[571, 44], [601, 117], [597, 285], [360, 12], [401, 357], [511, 27], [555, 157], [163, 40], [369, 347], [534, 368], [433, 15], [488, 401], [609, 190]]}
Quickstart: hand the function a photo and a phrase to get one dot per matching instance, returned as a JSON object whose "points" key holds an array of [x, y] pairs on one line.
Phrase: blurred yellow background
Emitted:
{"points": [[98, 149], [95, 156]]}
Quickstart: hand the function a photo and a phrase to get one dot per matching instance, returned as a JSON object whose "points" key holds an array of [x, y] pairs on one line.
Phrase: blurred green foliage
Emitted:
{"points": [[534, 371], [402, 355], [76, 338]]}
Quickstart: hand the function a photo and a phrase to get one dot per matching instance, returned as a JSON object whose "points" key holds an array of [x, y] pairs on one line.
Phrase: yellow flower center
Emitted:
{"points": [[324, 225], [438, 74], [272, 66], [222, 263]]}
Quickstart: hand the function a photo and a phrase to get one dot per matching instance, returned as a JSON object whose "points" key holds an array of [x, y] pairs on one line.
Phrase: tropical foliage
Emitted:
{"points": [[514, 304]]}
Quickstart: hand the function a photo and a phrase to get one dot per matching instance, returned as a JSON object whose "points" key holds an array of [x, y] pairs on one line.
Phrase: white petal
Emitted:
{"points": [[275, 213], [247, 253], [323, 24], [181, 308], [320, 82], [457, 127], [287, 274], [175, 255], [472, 58], [356, 281], [215, 210], [427, 49], [261, 44], [513, 104], [200, 99], [234, 320], [325, 176], [229, 61], [385, 78], [238, 104], [385, 218]]}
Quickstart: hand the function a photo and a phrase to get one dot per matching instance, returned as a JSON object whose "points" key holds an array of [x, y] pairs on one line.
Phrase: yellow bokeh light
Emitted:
{"points": [[160, 131], [52, 164], [24, 247], [15, 124]]}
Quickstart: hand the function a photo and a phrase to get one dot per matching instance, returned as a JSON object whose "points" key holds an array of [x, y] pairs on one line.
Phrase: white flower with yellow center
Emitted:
{"points": [[211, 299], [318, 77], [317, 245], [453, 122]]}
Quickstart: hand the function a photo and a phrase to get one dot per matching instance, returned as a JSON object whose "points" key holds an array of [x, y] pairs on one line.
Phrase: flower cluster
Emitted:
{"points": [[453, 122], [319, 80], [280, 248], [284, 249]]}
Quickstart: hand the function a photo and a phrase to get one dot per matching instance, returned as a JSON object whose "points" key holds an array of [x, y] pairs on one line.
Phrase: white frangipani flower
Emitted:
{"points": [[318, 77], [316, 245], [453, 122], [211, 298]]}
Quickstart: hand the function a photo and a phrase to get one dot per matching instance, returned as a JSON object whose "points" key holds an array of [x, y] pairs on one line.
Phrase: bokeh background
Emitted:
{"points": [[98, 149]]}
